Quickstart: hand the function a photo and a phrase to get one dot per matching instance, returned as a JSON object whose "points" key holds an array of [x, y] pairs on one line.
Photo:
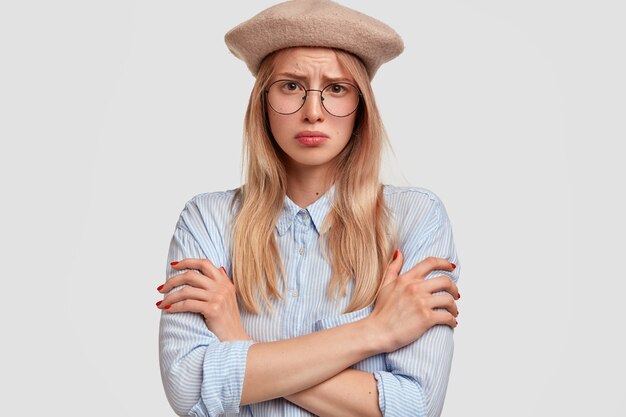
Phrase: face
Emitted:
{"points": [[312, 68]]}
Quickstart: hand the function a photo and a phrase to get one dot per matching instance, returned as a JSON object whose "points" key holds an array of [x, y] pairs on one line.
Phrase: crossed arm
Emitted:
{"points": [[283, 368]]}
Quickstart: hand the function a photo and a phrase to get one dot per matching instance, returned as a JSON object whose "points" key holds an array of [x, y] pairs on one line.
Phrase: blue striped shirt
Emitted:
{"points": [[204, 377]]}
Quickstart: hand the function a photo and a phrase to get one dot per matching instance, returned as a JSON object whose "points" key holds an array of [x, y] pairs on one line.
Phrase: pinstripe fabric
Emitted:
{"points": [[204, 377]]}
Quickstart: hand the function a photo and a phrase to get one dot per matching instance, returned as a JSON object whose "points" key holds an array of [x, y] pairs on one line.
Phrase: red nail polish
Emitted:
{"points": [[395, 254], [174, 263], [453, 265], [167, 307], [160, 287], [459, 296], [158, 303]]}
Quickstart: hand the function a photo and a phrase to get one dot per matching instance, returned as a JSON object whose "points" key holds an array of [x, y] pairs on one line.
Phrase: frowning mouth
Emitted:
{"points": [[311, 138]]}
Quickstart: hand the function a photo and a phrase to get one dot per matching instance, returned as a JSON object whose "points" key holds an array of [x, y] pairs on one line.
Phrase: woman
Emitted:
{"points": [[312, 289]]}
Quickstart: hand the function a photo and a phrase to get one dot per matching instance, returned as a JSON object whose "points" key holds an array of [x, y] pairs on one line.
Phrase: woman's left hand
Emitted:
{"points": [[209, 292]]}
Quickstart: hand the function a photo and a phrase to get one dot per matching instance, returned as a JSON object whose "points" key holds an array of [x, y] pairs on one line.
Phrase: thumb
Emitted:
{"points": [[393, 269]]}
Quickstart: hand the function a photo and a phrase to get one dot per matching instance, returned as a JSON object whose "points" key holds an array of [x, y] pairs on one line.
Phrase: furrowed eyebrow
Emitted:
{"points": [[303, 78]]}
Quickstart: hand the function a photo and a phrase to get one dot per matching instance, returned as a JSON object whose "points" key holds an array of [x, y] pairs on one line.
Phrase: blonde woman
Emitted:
{"points": [[312, 289]]}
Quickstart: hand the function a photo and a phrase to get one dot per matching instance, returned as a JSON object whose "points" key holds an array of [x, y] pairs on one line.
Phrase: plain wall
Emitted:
{"points": [[114, 113]]}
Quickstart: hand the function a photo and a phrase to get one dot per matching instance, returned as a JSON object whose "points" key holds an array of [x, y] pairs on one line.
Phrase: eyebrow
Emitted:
{"points": [[303, 78]]}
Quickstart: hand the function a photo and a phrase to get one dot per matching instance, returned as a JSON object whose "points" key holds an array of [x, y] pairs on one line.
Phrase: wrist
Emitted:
{"points": [[229, 334], [371, 336]]}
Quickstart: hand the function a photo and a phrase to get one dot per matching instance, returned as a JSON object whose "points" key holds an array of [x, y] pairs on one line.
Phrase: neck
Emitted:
{"points": [[305, 185]]}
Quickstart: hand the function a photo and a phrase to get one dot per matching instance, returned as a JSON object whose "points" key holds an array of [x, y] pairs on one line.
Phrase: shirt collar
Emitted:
{"points": [[317, 211]]}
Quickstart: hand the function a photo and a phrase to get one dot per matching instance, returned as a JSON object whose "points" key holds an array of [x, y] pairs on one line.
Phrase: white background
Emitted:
{"points": [[114, 113]]}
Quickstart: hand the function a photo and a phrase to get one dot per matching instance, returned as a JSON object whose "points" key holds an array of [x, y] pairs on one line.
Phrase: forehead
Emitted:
{"points": [[309, 62]]}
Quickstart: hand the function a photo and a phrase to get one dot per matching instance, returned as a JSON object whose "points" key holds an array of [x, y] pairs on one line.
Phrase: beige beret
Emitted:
{"points": [[314, 23]]}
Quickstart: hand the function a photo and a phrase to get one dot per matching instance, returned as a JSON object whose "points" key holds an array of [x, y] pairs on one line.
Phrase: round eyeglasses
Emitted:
{"points": [[340, 99]]}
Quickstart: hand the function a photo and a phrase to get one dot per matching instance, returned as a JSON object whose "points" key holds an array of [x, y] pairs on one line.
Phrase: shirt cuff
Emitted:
{"points": [[399, 396], [224, 369]]}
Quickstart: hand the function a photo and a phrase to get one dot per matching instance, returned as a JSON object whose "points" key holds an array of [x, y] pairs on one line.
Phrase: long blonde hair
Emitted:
{"points": [[359, 244]]}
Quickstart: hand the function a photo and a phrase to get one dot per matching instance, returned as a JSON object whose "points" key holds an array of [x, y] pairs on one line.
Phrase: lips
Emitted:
{"points": [[311, 138]]}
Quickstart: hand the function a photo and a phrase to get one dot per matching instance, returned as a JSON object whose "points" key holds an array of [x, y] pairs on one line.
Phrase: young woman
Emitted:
{"points": [[312, 289]]}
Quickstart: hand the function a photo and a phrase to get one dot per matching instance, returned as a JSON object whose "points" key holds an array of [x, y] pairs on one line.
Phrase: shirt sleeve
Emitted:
{"points": [[202, 376], [417, 375]]}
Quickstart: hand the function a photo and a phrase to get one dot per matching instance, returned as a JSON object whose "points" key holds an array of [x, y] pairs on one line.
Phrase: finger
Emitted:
{"points": [[444, 317], [423, 268], [191, 306], [203, 265], [187, 293], [442, 283], [444, 301], [194, 278], [394, 268]]}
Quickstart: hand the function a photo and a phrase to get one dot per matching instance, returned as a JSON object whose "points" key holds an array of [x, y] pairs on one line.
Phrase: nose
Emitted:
{"points": [[312, 110]]}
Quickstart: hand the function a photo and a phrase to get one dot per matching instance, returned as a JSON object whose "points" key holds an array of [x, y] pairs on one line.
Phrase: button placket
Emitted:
{"points": [[302, 232], [304, 221]]}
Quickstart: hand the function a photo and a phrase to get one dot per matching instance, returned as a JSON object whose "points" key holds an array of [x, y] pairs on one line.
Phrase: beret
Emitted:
{"points": [[321, 23]]}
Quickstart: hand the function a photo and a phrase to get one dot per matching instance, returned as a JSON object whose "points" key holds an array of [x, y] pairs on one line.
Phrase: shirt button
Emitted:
{"points": [[301, 251], [294, 293]]}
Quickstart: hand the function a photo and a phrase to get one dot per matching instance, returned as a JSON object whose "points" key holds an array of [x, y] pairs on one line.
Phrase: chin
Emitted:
{"points": [[310, 161]]}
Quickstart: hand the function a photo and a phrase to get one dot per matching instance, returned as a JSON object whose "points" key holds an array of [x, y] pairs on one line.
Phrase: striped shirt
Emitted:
{"points": [[204, 377]]}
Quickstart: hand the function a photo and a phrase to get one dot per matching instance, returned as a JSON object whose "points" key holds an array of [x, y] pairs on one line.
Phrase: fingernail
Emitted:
{"points": [[453, 265], [158, 303], [167, 307], [223, 269], [395, 254], [160, 287], [459, 296], [173, 263]]}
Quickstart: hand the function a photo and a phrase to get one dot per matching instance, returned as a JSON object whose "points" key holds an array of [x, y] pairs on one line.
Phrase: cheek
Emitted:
{"points": [[346, 127], [278, 128], [274, 125]]}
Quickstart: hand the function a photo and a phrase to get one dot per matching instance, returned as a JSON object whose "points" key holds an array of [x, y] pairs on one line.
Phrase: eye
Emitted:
{"points": [[337, 89], [290, 86]]}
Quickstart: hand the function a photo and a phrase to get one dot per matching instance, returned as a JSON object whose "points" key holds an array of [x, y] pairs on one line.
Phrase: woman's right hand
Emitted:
{"points": [[405, 305]]}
